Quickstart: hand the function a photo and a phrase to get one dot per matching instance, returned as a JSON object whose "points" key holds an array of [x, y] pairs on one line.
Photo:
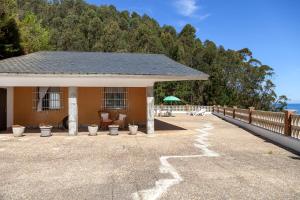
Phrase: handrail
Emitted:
{"points": [[295, 126], [285, 122], [183, 108]]}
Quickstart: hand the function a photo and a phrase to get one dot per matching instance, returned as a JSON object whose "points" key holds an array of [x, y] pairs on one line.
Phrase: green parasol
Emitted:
{"points": [[171, 99]]}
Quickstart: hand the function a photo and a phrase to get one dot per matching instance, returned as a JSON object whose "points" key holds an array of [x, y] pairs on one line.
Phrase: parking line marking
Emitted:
{"points": [[162, 185]]}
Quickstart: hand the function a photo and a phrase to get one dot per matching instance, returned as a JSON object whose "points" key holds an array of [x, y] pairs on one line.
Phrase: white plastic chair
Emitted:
{"points": [[201, 112]]}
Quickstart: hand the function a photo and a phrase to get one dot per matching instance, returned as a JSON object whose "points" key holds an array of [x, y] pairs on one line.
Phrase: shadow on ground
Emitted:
{"points": [[164, 126], [158, 125]]}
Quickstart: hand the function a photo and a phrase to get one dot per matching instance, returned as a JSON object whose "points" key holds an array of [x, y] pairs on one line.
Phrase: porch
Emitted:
{"points": [[32, 106]]}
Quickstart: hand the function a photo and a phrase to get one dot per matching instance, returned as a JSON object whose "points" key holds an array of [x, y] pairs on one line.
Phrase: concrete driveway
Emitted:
{"points": [[188, 158]]}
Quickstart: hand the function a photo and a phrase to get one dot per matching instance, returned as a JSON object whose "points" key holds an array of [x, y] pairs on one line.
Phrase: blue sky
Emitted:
{"points": [[270, 28]]}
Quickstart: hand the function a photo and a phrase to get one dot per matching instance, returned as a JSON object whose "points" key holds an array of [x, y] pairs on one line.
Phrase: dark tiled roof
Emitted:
{"points": [[64, 62]]}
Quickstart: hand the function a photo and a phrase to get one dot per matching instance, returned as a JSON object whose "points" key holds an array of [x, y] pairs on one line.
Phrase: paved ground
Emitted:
{"points": [[217, 161]]}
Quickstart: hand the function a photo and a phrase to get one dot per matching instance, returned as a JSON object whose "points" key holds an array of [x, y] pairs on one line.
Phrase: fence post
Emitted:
{"points": [[224, 109], [218, 110], [233, 112], [213, 108], [288, 122], [251, 109]]}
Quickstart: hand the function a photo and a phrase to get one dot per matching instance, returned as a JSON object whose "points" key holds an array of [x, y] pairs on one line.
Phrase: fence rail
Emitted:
{"points": [[183, 108], [295, 126], [242, 114], [229, 112], [286, 123], [273, 121]]}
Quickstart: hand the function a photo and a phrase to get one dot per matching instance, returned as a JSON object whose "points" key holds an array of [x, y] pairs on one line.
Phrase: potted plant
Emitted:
{"points": [[93, 129], [113, 129], [46, 130], [133, 129], [18, 130]]}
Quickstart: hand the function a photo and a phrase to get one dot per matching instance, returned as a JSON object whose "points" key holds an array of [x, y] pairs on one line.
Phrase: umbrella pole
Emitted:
{"points": [[171, 107]]}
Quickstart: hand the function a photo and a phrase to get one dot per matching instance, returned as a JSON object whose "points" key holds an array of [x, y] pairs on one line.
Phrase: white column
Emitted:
{"points": [[10, 107], [73, 111], [150, 110]]}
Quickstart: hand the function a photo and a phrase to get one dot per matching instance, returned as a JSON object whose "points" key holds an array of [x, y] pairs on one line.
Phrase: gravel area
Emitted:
{"points": [[187, 158]]}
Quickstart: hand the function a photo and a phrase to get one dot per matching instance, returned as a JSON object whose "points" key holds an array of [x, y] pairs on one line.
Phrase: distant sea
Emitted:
{"points": [[294, 106]]}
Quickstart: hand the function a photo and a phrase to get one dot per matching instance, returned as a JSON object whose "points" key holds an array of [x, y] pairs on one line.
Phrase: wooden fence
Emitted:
{"points": [[286, 122], [183, 108], [241, 114]]}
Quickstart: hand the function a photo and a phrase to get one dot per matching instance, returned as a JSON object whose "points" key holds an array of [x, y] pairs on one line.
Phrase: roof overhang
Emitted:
{"points": [[88, 80]]}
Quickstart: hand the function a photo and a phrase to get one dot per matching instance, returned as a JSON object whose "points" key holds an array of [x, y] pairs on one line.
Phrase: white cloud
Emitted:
{"points": [[203, 17], [189, 8], [186, 7]]}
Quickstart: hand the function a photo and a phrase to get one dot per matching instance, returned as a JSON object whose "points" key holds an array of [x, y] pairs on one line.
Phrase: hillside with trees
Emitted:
{"points": [[236, 77]]}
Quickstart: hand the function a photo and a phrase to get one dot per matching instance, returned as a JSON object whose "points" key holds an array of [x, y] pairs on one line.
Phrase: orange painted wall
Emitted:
{"points": [[24, 114], [89, 103], [89, 100], [137, 111]]}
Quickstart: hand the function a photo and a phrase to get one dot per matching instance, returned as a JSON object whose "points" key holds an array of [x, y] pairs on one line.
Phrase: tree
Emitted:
{"points": [[281, 103], [33, 36], [112, 39], [9, 30]]}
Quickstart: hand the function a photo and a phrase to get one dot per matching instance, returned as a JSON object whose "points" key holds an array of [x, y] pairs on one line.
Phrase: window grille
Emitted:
{"points": [[47, 99], [115, 98]]}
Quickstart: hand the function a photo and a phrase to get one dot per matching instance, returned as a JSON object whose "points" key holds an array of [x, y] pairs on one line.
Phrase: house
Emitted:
{"points": [[45, 87]]}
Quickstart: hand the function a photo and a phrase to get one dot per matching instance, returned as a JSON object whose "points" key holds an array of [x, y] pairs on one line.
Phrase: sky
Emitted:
{"points": [[269, 28]]}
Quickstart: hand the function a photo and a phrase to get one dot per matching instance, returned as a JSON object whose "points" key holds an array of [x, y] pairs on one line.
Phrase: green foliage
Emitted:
{"points": [[9, 31], [281, 103], [236, 78], [33, 36]]}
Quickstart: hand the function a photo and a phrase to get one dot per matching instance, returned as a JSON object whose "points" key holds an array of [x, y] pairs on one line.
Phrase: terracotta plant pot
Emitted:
{"points": [[93, 129], [18, 130], [113, 129], [46, 130], [133, 129]]}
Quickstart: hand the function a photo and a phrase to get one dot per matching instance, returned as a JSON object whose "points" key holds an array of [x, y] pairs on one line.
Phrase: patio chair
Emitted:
{"points": [[193, 112], [104, 118], [121, 121], [201, 112], [158, 112]]}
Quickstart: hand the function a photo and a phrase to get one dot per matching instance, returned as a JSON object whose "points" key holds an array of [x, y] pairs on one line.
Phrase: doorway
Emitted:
{"points": [[3, 109]]}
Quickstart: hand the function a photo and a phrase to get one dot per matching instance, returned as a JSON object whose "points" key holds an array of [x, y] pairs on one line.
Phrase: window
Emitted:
{"points": [[115, 98], [47, 98]]}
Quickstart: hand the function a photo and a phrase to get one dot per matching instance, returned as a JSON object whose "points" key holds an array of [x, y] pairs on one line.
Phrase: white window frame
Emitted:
{"points": [[115, 98], [52, 99]]}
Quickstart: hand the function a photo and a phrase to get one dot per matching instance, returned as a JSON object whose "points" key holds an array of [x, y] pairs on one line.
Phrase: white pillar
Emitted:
{"points": [[10, 107], [73, 111], [150, 110]]}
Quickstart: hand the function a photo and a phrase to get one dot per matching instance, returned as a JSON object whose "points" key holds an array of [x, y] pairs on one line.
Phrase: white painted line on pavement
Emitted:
{"points": [[162, 185]]}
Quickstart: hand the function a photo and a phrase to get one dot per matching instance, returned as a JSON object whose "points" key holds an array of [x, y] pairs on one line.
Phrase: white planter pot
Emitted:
{"points": [[113, 129], [133, 129], [46, 131], [18, 130], [93, 130]]}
